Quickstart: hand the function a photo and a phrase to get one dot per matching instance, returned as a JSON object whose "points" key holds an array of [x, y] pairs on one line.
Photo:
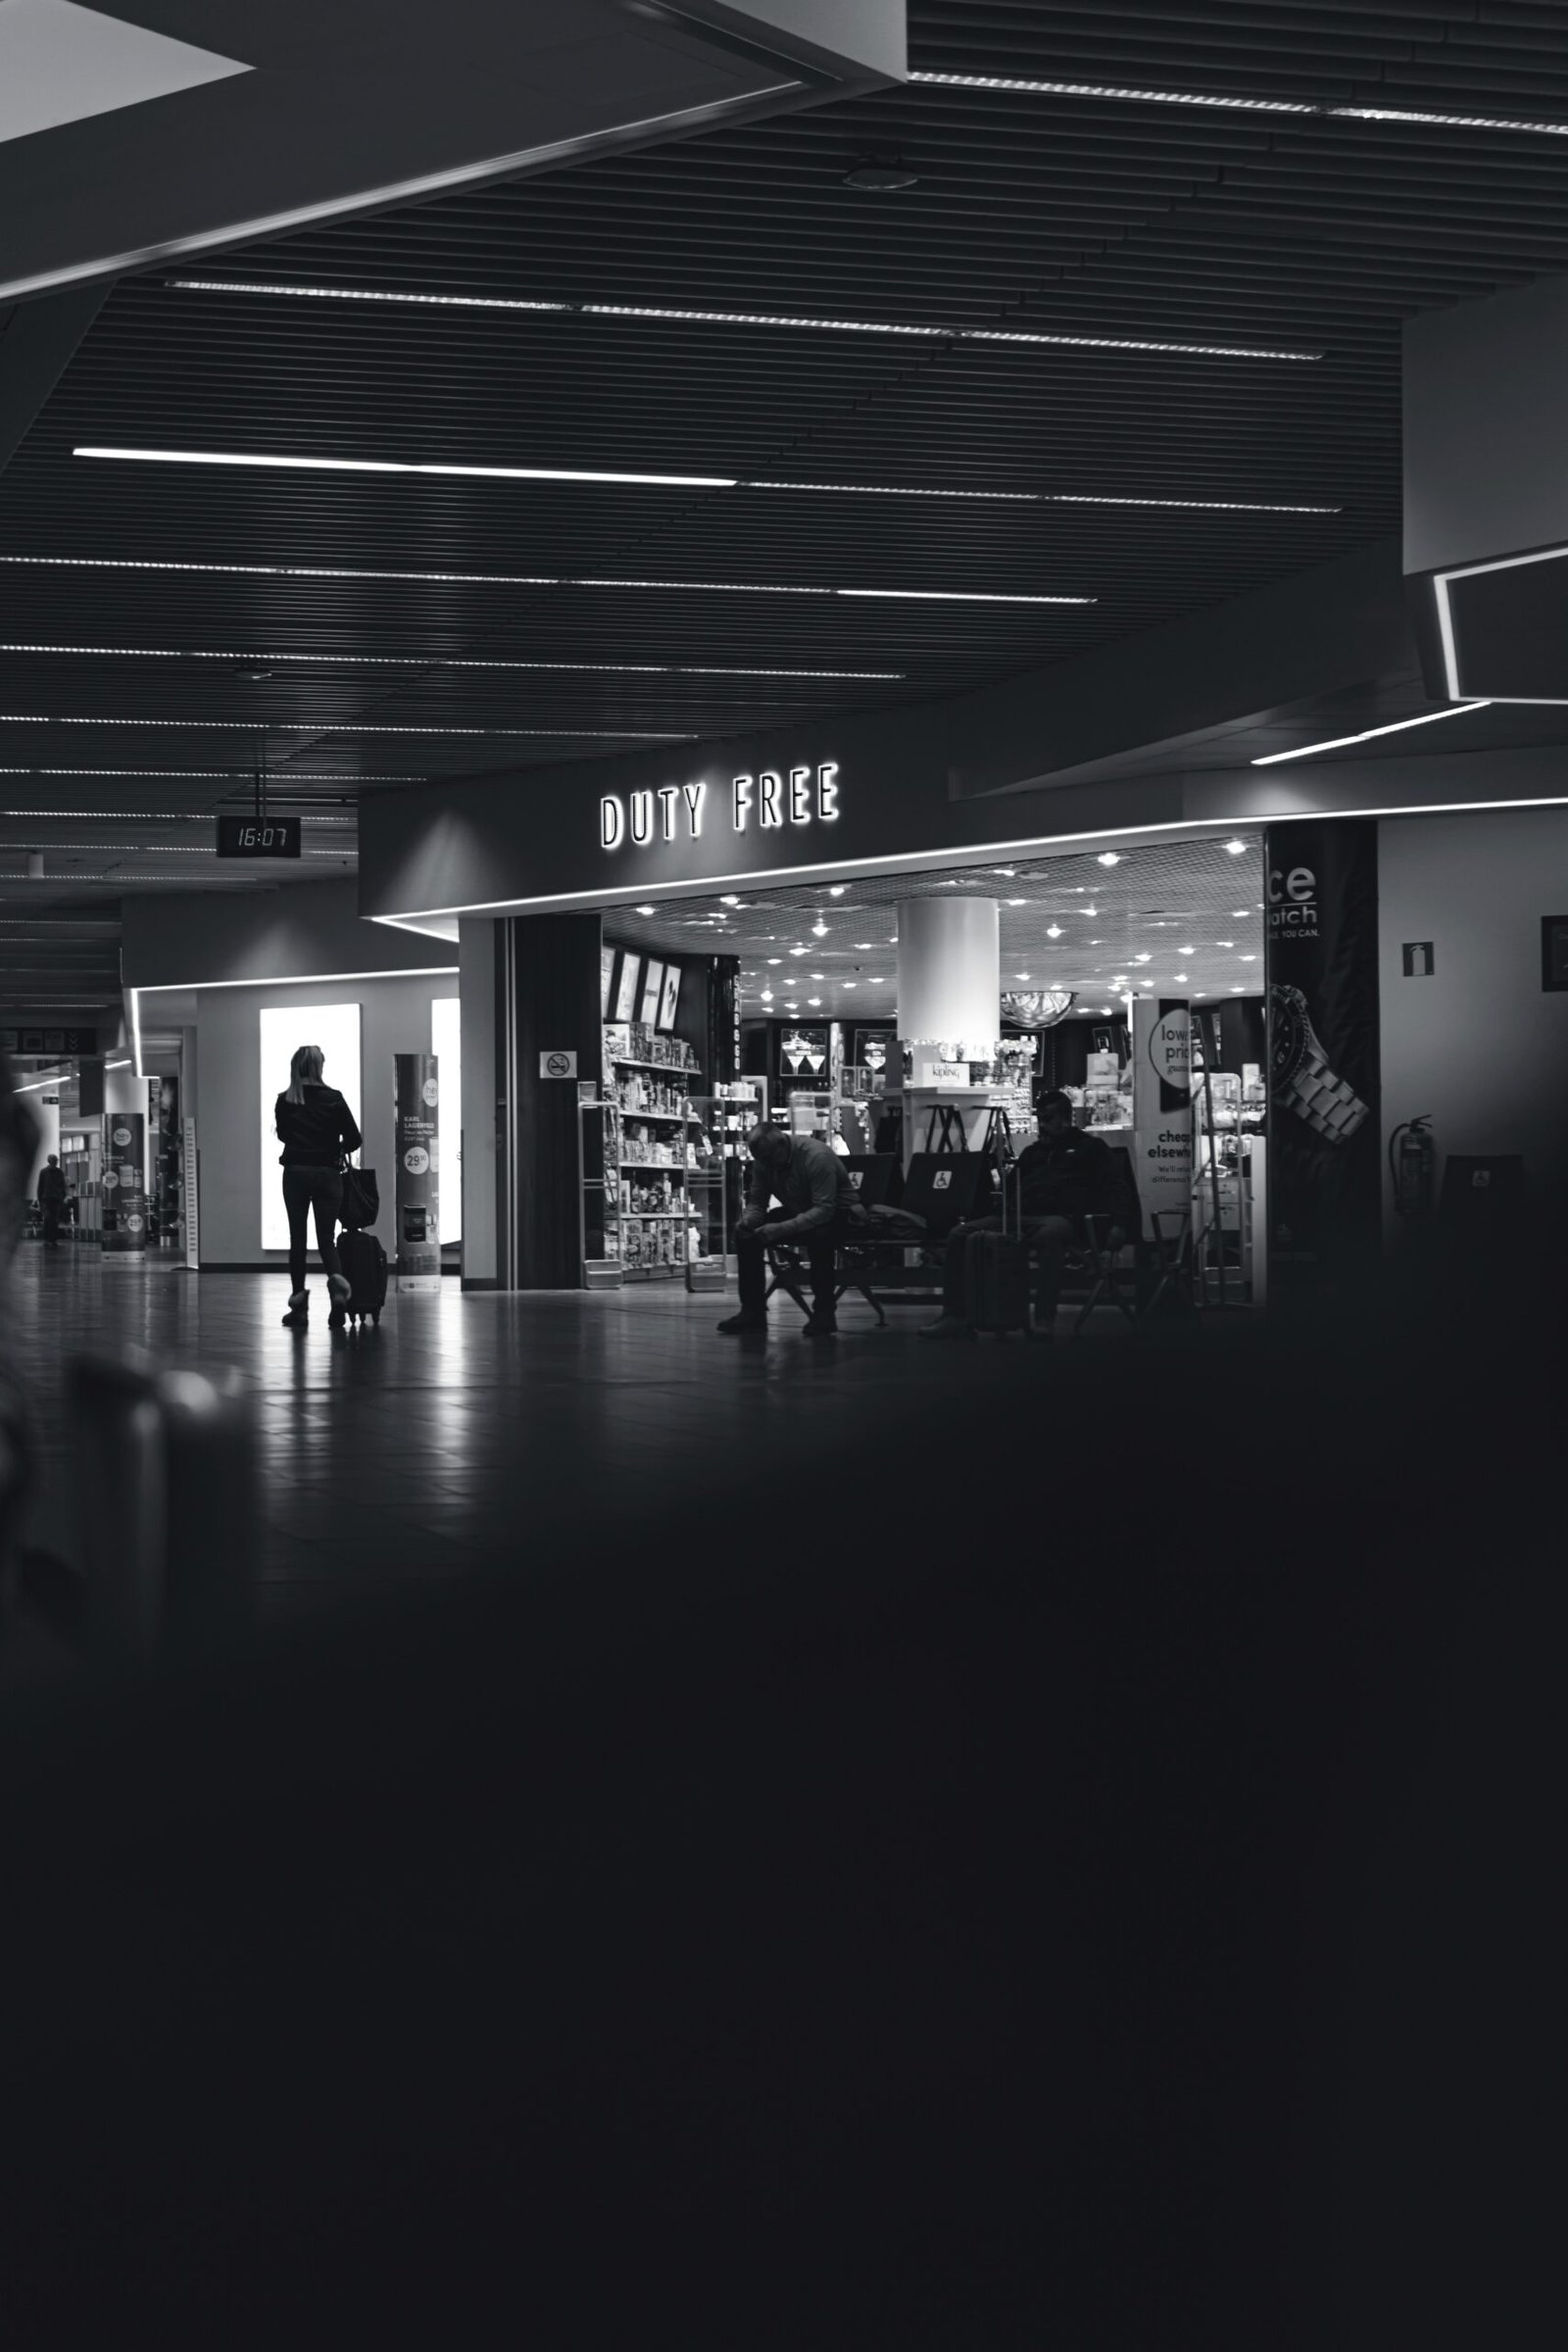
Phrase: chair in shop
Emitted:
{"points": [[788, 1272], [1111, 1259], [1166, 1258]]}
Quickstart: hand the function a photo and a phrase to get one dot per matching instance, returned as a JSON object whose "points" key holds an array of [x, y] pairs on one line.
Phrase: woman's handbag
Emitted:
{"points": [[361, 1198]]}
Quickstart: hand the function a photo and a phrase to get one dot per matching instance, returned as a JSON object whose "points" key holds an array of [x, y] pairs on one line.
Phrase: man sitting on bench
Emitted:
{"points": [[814, 1188], [1064, 1177]]}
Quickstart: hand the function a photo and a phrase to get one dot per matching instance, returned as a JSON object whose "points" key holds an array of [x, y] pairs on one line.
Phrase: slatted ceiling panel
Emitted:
{"points": [[1032, 214]]}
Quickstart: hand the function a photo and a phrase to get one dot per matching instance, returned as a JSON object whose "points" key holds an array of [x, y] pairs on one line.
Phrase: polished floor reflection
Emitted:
{"points": [[452, 1433]]}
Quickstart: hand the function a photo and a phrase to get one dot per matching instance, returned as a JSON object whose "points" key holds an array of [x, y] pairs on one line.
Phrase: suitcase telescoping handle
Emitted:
{"points": [[1008, 1181]]}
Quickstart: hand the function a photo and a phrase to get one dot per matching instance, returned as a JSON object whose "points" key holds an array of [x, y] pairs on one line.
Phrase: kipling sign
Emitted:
{"points": [[798, 796]]}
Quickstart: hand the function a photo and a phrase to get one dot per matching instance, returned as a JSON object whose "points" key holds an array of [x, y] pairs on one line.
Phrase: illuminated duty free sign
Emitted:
{"points": [[797, 796]]}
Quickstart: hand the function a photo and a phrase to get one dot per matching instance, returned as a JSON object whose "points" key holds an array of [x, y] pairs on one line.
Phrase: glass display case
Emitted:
{"points": [[722, 1123], [811, 1113]]}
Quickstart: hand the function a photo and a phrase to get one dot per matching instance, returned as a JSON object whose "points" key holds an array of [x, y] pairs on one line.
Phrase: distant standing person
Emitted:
{"points": [[52, 1200], [317, 1129]]}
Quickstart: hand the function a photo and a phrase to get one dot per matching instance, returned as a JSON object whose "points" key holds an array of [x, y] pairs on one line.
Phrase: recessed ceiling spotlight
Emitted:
{"points": [[862, 946], [877, 980], [1180, 975], [1237, 989], [836, 890], [796, 951], [730, 900], [775, 960], [1142, 960], [1247, 959], [1108, 858], [881, 175], [645, 911], [1020, 975], [819, 975], [819, 929], [1006, 870], [1227, 943], [1237, 849], [849, 983], [1017, 902], [1088, 911], [1054, 931], [813, 1000], [767, 996], [1238, 914], [1186, 950]]}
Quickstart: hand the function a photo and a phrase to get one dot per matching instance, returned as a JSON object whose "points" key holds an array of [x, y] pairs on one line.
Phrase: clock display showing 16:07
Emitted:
{"points": [[257, 837]]}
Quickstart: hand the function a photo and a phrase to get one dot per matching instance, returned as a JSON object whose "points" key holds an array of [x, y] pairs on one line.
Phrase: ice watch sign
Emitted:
{"points": [[772, 800]]}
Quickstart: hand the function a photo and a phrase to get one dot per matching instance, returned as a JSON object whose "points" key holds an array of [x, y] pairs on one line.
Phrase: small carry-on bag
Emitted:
{"points": [[995, 1266], [364, 1262], [361, 1198]]}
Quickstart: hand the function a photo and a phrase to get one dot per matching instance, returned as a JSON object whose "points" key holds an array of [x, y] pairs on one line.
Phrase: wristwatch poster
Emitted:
{"points": [[1301, 1078]]}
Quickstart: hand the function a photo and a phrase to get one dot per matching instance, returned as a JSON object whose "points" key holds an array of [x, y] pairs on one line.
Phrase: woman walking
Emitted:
{"points": [[317, 1128]]}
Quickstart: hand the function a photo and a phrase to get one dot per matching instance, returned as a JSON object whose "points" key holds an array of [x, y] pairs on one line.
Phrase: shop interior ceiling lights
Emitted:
{"points": [[1166, 908]]}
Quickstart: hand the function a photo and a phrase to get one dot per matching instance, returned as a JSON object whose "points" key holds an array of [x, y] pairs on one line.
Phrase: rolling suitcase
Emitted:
{"points": [[995, 1266], [364, 1262]]}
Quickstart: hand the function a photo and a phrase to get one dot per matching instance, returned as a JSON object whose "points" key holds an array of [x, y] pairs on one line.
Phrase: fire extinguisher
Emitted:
{"points": [[1412, 1163]]}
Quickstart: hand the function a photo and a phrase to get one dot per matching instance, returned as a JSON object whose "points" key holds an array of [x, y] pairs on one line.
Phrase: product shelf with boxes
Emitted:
{"points": [[636, 1155]]}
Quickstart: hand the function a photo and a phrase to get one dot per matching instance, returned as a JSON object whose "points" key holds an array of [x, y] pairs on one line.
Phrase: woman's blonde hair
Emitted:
{"points": [[304, 1070]]}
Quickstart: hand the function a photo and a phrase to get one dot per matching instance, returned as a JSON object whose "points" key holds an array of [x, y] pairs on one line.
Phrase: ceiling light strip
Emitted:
{"points": [[1223, 102], [464, 302], [630, 670], [493, 579], [1396, 726], [487, 473], [811, 323], [1025, 86], [1436, 121], [317, 727], [891, 490], [157, 817], [1197, 505]]}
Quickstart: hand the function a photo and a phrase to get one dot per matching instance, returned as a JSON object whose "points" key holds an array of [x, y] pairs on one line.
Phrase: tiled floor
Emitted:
{"points": [[463, 1424]]}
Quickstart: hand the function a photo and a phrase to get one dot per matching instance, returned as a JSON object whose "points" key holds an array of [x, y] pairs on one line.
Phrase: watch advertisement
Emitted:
{"points": [[419, 1174], [1321, 945]]}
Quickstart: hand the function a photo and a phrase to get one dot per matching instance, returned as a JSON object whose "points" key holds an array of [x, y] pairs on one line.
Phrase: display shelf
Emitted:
{"points": [[670, 1069], [665, 1167], [673, 1118]]}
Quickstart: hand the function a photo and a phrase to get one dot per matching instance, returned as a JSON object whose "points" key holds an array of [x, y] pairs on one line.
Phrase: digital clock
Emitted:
{"points": [[257, 837]]}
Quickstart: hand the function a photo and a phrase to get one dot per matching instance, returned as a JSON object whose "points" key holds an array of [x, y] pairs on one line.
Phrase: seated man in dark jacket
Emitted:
{"points": [[1064, 1177], [817, 1196]]}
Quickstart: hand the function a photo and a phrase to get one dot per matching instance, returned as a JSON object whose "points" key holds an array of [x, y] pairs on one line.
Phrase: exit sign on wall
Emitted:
{"points": [[259, 837]]}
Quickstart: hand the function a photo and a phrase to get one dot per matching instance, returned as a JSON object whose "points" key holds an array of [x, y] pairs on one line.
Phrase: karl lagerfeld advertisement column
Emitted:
{"points": [[419, 1210], [1321, 934], [125, 1230]]}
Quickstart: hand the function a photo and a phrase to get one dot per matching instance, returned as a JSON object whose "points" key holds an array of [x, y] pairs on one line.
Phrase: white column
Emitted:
{"points": [[45, 1109], [950, 972], [949, 994]]}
